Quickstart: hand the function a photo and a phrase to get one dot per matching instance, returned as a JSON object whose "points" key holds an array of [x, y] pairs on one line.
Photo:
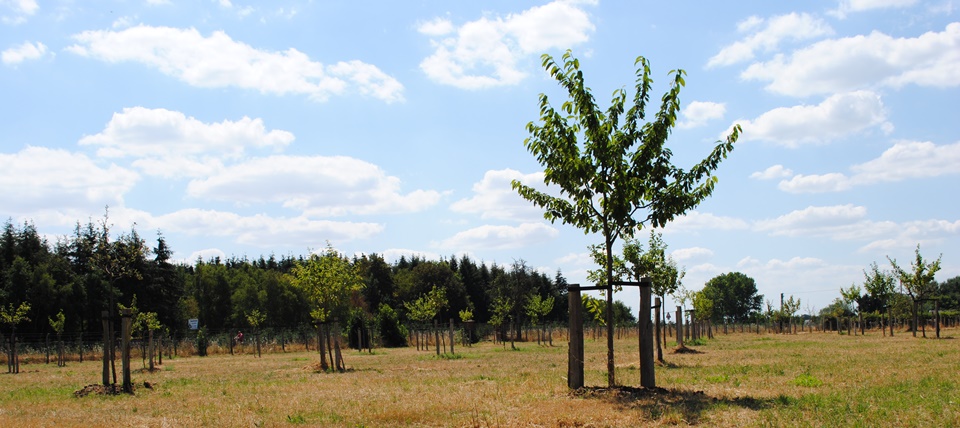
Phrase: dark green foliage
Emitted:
{"points": [[201, 342], [388, 326], [734, 296], [91, 271]]}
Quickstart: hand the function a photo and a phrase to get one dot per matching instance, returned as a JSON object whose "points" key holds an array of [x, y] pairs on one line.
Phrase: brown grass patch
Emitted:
{"points": [[745, 379]]}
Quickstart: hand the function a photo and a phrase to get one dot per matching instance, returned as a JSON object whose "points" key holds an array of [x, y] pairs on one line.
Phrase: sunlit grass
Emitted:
{"points": [[739, 379]]}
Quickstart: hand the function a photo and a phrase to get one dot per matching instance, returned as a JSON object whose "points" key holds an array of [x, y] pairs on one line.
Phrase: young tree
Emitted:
{"points": [[851, 297], [427, 307], [919, 283], [327, 281], [790, 308], [11, 316], [256, 318], [57, 326], [609, 172], [880, 286], [537, 308]]}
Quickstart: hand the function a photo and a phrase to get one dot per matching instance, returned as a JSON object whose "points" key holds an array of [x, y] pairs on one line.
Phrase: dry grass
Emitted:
{"points": [[737, 380]]}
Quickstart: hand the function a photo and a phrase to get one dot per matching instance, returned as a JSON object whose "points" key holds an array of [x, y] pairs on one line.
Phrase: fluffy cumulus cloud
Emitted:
{"points": [[698, 113], [839, 222], [486, 52], [217, 61], [500, 237], [313, 185], [773, 172], [876, 59], [905, 160], [38, 178], [852, 223], [263, 230], [494, 198], [852, 6], [767, 34], [24, 52], [836, 117], [169, 144], [19, 10], [694, 221], [691, 254]]}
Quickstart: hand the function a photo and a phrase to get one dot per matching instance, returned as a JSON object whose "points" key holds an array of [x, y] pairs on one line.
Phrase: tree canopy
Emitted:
{"points": [[614, 177], [734, 296]]}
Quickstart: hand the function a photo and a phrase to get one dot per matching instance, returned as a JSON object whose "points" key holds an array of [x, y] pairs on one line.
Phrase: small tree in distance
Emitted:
{"points": [[919, 283], [608, 172]]}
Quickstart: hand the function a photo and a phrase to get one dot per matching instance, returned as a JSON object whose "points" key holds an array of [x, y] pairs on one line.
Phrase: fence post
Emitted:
{"points": [[679, 327], [656, 315], [105, 316], [575, 357], [125, 353], [647, 373]]}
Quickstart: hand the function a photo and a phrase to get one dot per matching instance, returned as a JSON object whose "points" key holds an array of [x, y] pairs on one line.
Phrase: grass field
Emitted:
{"points": [[817, 379]]}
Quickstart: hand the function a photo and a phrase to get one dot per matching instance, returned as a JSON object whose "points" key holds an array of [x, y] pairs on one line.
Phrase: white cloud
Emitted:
{"points": [[392, 255], [437, 27], [838, 116], [21, 10], [160, 2], [847, 6], [484, 53], [494, 198], [314, 185], [169, 144], [775, 171], [38, 178], [832, 182], [262, 230], [910, 159], [219, 61], [694, 221], [698, 113], [205, 255], [691, 254], [26, 51], [829, 66], [838, 222], [500, 237], [905, 160], [792, 26]]}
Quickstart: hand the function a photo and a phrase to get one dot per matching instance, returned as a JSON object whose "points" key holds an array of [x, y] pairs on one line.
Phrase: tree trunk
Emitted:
{"points": [[320, 347]]}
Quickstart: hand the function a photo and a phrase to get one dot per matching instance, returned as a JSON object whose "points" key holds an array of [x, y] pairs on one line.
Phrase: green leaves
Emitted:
{"points": [[427, 306], [12, 316], [328, 281]]}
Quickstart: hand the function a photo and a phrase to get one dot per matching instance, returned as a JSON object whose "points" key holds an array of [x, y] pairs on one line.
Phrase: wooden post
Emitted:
{"points": [[936, 314], [105, 316], [647, 373], [679, 326], [451, 336], [125, 315], [575, 357], [657, 316]]}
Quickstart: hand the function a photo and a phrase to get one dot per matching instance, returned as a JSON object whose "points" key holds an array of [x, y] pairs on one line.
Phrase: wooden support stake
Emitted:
{"points": [[647, 373], [125, 350], [575, 357]]}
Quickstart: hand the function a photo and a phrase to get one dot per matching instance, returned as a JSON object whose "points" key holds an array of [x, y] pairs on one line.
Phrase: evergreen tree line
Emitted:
{"points": [[93, 270]]}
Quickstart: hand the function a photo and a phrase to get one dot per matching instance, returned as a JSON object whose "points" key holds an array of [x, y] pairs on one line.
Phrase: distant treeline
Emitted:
{"points": [[94, 270]]}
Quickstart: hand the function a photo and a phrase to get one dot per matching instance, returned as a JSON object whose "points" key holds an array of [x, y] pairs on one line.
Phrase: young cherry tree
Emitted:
{"points": [[919, 283], [612, 168], [328, 281]]}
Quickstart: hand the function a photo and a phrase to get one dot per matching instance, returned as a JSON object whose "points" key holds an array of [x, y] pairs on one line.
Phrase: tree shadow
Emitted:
{"points": [[656, 402]]}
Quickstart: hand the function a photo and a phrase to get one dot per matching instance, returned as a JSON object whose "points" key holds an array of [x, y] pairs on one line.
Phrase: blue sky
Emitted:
{"points": [[245, 128]]}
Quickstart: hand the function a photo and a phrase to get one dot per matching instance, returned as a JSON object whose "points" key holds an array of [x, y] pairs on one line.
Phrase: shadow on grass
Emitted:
{"points": [[657, 402]]}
